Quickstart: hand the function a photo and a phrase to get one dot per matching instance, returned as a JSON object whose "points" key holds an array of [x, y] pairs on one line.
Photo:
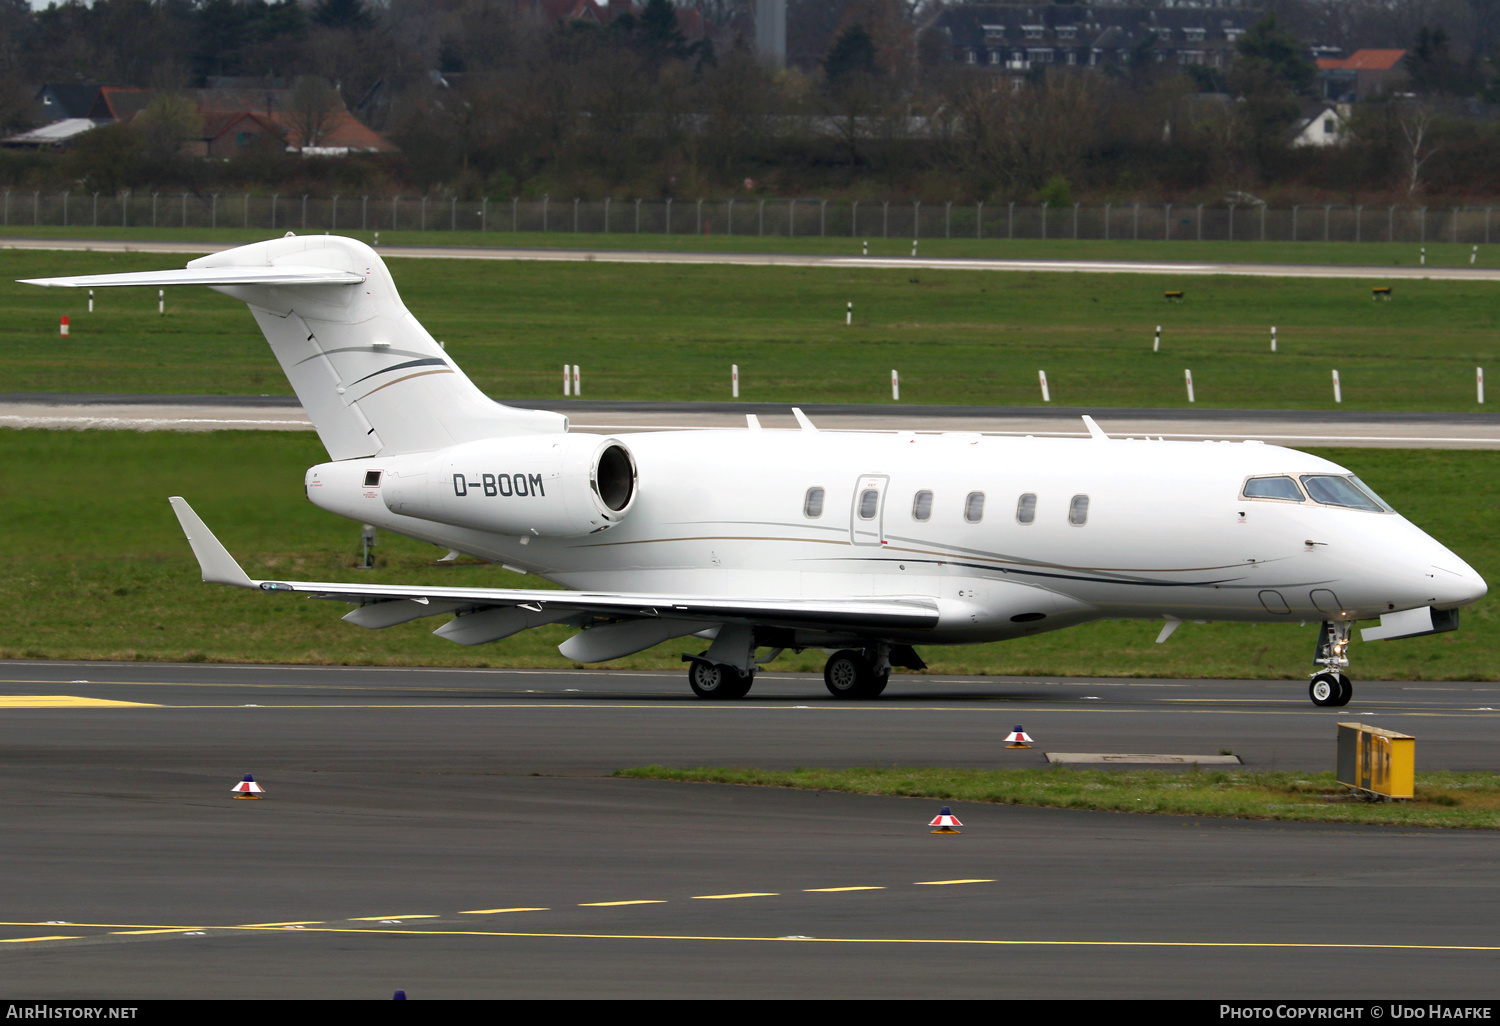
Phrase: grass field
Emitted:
{"points": [[1350, 254], [671, 332], [1463, 800], [94, 566]]}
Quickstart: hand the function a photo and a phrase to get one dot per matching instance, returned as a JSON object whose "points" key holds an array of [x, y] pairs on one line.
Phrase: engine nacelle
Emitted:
{"points": [[550, 485]]}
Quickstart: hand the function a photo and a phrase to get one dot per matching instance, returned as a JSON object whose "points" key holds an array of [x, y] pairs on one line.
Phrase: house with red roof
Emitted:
{"points": [[1361, 75]]}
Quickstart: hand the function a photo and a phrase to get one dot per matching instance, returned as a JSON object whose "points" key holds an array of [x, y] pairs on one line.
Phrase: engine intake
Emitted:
{"points": [[548, 485]]}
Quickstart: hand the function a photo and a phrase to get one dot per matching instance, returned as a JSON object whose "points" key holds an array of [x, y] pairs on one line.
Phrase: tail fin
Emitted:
{"points": [[370, 377]]}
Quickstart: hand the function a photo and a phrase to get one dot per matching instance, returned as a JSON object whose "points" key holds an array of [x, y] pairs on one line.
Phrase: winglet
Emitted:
{"points": [[1095, 431], [217, 564]]}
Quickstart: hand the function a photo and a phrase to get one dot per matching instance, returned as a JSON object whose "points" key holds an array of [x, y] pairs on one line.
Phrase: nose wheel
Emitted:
{"points": [[1330, 689], [1329, 686]]}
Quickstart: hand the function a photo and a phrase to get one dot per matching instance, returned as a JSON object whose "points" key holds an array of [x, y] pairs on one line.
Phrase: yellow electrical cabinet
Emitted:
{"points": [[1378, 762]]}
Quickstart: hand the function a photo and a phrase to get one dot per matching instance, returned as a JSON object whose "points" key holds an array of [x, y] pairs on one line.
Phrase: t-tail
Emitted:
{"points": [[372, 380]]}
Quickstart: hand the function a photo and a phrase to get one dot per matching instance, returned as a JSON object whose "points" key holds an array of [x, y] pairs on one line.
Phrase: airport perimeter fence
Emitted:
{"points": [[759, 217]]}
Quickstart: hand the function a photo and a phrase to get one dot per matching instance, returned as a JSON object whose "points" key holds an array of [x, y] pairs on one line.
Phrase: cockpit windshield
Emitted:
{"points": [[1349, 492], [1279, 487], [1345, 491]]}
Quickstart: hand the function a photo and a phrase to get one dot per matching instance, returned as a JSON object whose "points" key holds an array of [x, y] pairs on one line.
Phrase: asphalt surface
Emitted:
{"points": [[456, 833], [1188, 268], [1278, 427]]}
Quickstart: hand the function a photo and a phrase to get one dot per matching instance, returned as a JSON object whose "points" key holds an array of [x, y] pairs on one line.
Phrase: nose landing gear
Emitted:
{"points": [[1329, 686]]}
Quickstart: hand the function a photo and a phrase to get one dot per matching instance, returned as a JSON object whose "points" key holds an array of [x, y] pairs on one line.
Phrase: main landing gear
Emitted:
{"points": [[850, 673], [1329, 686], [856, 675], [718, 680]]}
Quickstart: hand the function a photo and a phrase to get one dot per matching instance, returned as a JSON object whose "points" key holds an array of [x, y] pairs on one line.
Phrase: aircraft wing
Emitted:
{"points": [[414, 601]]}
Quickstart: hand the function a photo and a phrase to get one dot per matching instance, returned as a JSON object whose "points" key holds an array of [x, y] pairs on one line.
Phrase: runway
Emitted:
{"points": [[456, 833], [1276, 427], [626, 256]]}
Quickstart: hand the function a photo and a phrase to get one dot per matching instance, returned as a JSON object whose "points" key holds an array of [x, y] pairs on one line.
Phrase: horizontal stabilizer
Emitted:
{"points": [[278, 275]]}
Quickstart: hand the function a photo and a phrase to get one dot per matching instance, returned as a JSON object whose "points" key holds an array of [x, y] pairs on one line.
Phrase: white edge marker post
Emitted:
{"points": [[1338, 395], [849, 314], [161, 302], [577, 382], [567, 381], [1479, 383], [1424, 256], [867, 248], [91, 300], [1156, 346], [1273, 339], [913, 247], [1189, 376], [1042, 377], [895, 386], [734, 381], [1473, 256]]}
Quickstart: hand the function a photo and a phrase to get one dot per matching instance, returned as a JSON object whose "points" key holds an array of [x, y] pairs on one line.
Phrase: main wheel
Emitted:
{"points": [[848, 674], [718, 681], [1325, 690]]}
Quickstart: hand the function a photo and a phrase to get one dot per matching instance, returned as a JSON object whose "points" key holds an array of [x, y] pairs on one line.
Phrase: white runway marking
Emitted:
{"points": [[814, 260]]}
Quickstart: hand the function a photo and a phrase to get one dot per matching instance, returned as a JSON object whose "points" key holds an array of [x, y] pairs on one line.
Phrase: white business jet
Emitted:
{"points": [[864, 545]]}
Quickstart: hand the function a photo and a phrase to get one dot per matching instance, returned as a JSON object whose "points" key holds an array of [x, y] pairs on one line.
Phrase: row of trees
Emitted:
{"points": [[485, 97]]}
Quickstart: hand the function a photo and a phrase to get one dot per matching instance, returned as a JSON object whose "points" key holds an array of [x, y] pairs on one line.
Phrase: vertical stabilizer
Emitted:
{"points": [[370, 377]]}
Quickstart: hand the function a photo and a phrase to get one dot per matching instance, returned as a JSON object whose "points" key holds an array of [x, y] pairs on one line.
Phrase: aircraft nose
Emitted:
{"points": [[1456, 585]]}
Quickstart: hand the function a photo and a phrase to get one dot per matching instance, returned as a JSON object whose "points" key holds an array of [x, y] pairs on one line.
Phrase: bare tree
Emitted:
{"points": [[1415, 122], [313, 103], [166, 123]]}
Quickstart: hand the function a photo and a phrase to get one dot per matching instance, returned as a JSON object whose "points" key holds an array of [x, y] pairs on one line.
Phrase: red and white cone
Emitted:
{"points": [[248, 788], [945, 821], [1018, 738]]}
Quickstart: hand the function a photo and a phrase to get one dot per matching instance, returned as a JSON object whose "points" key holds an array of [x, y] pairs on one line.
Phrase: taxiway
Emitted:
{"points": [[458, 833]]}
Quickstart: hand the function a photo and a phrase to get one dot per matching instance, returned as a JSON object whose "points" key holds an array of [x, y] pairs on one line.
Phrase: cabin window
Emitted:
{"points": [[812, 506], [1026, 508], [869, 502], [372, 478], [974, 507], [921, 506], [1279, 487], [1349, 492], [1078, 510]]}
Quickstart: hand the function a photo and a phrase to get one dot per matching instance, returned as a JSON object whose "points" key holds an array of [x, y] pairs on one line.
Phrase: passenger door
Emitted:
{"points": [[867, 515]]}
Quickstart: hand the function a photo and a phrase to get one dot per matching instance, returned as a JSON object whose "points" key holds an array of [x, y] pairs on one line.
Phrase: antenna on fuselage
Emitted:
{"points": [[1095, 431]]}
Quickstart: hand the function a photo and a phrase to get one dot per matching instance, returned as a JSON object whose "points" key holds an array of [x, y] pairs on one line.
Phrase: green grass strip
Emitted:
{"points": [[1460, 800]]}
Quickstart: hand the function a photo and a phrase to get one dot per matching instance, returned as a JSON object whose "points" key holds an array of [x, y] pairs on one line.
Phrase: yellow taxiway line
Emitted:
{"points": [[67, 702], [951, 941]]}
